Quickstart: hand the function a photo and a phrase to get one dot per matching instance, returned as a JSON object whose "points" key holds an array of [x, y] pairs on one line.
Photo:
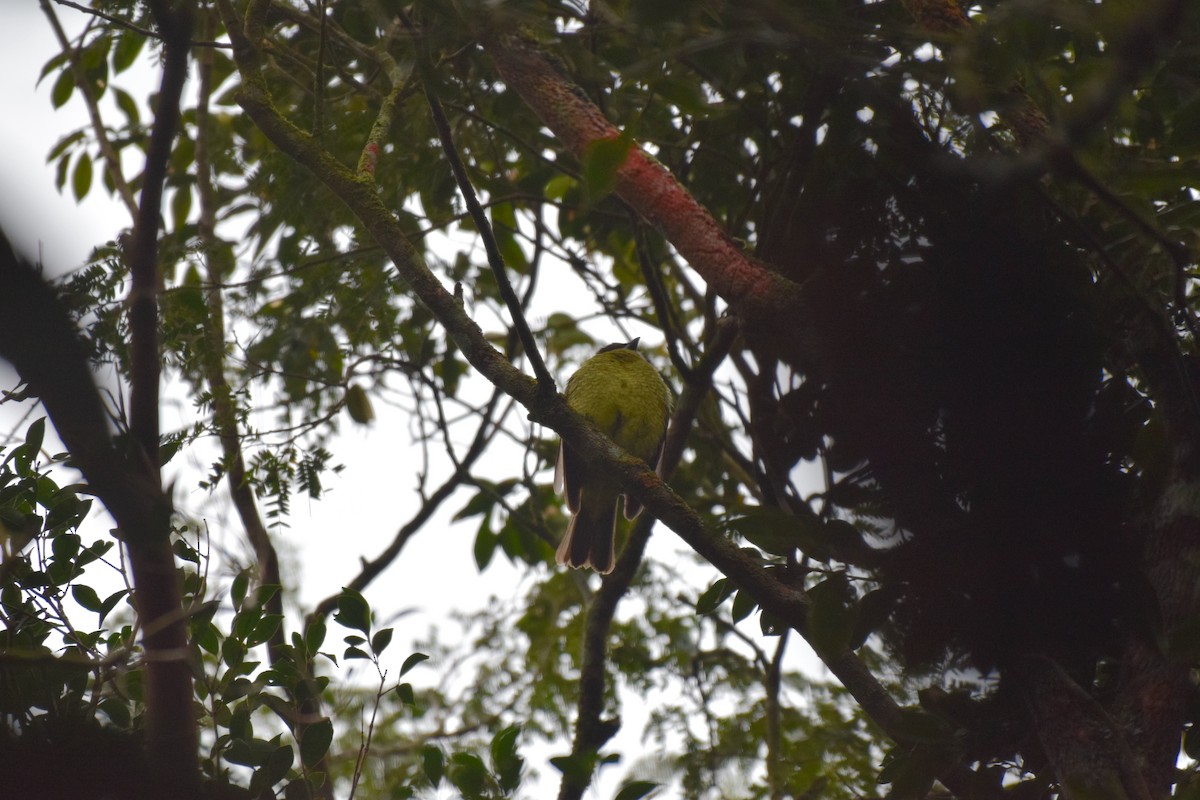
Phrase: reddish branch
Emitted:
{"points": [[752, 289]]}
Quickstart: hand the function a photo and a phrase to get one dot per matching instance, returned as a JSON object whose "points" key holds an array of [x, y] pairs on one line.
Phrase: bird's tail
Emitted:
{"points": [[591, 534]]}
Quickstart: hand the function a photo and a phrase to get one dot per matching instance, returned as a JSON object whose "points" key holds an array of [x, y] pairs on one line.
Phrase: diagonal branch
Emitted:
{"points": [[112, 159], [754, 291]]}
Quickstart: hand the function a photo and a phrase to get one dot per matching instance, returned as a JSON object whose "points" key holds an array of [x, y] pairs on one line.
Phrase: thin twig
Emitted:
{"points": [[108, 152]]}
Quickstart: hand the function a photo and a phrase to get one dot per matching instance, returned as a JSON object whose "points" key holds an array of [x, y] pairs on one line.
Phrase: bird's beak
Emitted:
{"points": [[633, 345]]}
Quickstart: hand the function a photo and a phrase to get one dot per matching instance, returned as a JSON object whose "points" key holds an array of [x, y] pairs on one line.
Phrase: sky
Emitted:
{"points": [[368, 502]]}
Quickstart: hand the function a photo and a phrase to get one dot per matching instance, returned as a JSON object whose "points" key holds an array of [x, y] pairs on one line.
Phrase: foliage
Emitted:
{"points": [[964, 444]]}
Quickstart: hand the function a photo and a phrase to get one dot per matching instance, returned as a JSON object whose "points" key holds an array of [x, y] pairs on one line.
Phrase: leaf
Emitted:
{"points": [[129, 45], [412, 661], [81, 178], [559, 186], [433, 761], [314, 635], [774, 532], [66, 546], [264, 629], [831, 617], [381, 640], [316, 741], [63, 88], [35, 434], [249, 752], [277, 766], [353, 611], [873, 611], [481, 502], [110, 603], [743, 606], [504, 227], [505, 760], [86, 596], [485, 545], [128, 106], [181, 206], [911, 771], [468, 773], [635, 790], [714, 596], [601, 162], [237, 589]]}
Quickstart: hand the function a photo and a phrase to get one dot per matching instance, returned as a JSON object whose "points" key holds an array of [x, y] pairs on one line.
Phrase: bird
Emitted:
{"points": [[627, 399]]}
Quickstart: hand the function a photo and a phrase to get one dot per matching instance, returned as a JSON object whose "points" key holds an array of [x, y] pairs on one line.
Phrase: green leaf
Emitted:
{"points": [[558, 187], [832, 615], [601, 162], [405, 692], [316, 741], [66, 546], [181, 206], [504, 228], [714, 596], [873, 611], [381, 640], [353, 611], [277, 766], [635, 790], [468, 773], [86, 596], [249, 752], [35, 434], [110, 603], [314, 635], [504, 744], [485, 545], [433, 761], [772, 531], [60, 172], [81, 178], [505, 760], [63, 87], [480, 503], [264, 629], [206, 636], [129, 45], [743, 606], [412, 661], [128, 106], [237, 589]]}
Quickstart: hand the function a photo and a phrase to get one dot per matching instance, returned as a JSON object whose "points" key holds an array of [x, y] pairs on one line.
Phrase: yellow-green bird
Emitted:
{"points": [[626, 398]]}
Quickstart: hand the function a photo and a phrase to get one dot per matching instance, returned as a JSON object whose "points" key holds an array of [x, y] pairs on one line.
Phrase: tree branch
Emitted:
{"points": [[756, 293], [112, 160]]}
